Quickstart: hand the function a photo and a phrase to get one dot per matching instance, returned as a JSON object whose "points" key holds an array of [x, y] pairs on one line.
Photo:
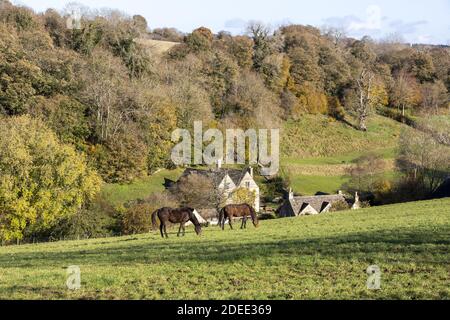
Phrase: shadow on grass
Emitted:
{"points": [[426, 245]]}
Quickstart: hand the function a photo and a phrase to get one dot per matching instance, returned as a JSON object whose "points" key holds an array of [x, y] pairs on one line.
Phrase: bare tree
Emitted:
{"points": [[199, 192], [423, 159], [335, 34], [260, 35], [403, 93], [364, 86], [434, 96]]}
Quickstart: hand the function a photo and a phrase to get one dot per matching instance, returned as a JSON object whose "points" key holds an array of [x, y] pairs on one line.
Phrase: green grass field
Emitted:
{"points": [[327, 174], [317, 257], [118, 194], [315, 136], [316, 150]]}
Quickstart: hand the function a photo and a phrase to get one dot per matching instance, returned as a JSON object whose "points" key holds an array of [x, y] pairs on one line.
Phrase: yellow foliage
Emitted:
{"points": [[41, 180], [243, 195], [310, 100], [379, 95]]}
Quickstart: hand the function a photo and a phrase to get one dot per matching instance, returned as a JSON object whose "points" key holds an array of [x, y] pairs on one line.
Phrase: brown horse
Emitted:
{"points": [[181, 216], [237, 210]]}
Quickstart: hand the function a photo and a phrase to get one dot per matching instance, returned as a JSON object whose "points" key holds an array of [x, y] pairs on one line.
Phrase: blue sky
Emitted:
{"points": [[425, 21]]}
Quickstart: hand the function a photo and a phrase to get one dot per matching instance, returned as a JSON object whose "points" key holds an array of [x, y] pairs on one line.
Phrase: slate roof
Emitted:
{"points": [[217, 175], [319, 203], [443, 191]]}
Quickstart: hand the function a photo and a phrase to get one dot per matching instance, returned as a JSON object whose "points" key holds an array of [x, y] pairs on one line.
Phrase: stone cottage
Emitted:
{"points": [[309, 205], [227, 181]]}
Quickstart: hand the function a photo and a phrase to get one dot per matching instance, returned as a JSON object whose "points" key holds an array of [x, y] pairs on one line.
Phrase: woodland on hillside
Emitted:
{"points": [[82, 106]]}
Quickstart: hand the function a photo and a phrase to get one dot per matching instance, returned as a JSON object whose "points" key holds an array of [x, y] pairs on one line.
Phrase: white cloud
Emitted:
{"points": [[372, 21]]}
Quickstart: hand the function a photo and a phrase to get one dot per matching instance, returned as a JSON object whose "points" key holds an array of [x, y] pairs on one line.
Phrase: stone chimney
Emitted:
{"points": [[219, 164], [357, 204], [251, 171], [291, 194]]}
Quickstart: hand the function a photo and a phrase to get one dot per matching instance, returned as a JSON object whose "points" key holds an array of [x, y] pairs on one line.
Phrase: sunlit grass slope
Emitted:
{"points": [[317, 257]]}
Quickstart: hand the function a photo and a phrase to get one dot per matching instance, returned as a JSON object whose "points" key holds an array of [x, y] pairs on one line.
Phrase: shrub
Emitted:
{"points": [[85, 224], [137, 217], [339, 206], [267, 216]]}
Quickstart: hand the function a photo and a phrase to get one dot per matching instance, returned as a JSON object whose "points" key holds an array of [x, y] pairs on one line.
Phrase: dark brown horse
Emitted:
{"points": [[237, 210], [181, 216]]}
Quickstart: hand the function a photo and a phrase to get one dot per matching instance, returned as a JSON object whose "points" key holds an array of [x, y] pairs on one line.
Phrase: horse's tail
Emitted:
{"points": [[154, 223], [254, 216]]}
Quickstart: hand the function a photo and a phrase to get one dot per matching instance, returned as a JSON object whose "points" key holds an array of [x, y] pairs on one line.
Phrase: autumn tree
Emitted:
{"points": [[335, 34], [241, 47], [369, 92], [66, 117], [261, 43], [199, 191], [41, 180], [104, 82], [424, 160], [336, 110], [250, 103], [200, 40], [20, 78], [441, 62], [243, 195], [421, 65], [434, 96], [137, 217], [167, 34], [405, 92]]}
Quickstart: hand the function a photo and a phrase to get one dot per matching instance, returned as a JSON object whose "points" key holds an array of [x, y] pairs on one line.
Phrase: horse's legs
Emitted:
{"points": [[243, 222], [179, 230], [222, 223], [184, 229], [165, 231], [161, 227], [229, 222]]}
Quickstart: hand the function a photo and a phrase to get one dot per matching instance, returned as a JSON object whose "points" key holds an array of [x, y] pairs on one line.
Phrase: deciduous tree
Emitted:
{"points": [[41, 180]]}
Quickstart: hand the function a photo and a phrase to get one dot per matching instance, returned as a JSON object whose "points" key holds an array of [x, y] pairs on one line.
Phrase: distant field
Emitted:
{"points": [[315, 136], [311, 185], [316, 257], [317, 150], [118, 194], [157, 46], [327, 174]]}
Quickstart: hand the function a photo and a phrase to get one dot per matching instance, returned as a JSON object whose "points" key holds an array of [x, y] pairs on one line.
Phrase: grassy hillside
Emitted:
{"points": [[319, 257], [118, 194], [317, 150], [322, 136], [157, 47]]}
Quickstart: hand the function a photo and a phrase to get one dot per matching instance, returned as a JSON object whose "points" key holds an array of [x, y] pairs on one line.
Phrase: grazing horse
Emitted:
{"points": [[237, 210], [181, 216]]}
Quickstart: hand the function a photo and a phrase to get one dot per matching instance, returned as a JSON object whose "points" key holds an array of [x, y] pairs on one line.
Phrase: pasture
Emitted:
{"points": [[317, 257]]}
